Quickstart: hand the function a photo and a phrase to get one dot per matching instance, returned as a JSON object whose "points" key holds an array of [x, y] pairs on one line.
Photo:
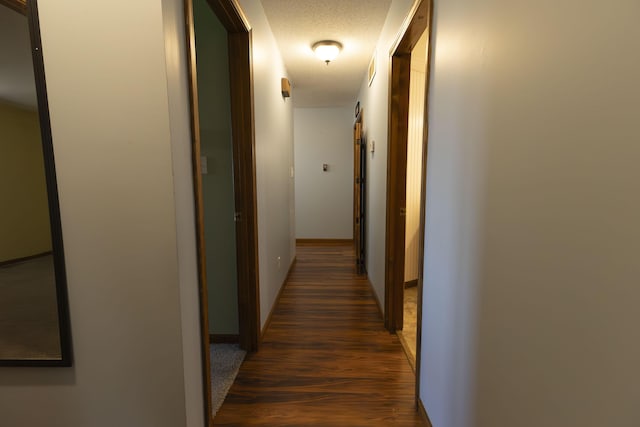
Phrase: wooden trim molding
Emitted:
{"points": [[19, 6], [230, 15]]}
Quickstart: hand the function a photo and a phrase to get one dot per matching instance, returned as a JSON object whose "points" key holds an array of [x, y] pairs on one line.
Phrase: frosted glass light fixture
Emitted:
{"points": [[327, 50]]}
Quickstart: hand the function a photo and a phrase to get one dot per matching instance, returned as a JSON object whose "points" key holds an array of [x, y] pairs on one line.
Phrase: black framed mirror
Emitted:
{"points": [[34, 314]]}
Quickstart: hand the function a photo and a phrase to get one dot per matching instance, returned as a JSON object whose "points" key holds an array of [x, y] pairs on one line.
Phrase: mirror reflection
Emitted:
{"points": [[29, 325]]}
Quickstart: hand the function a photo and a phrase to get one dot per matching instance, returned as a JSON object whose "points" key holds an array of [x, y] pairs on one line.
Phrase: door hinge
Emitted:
{"points": [[403, 211], [237, 217]]}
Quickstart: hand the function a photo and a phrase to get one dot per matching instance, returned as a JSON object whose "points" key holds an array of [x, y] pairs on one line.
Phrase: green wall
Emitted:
{"points": [[24, 214], [215, 134]]}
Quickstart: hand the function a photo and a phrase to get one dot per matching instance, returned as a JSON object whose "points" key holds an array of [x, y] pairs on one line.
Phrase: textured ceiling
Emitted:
{"points": [[297, 24], [17, 84]]}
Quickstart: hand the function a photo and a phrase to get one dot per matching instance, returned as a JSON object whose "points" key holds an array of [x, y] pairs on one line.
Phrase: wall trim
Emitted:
{"points": [[277, 300]]}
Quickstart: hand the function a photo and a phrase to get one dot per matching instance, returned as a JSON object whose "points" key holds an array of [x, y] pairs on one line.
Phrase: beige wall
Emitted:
{"points": [[119, 114], [24, 216], [532, 244]]}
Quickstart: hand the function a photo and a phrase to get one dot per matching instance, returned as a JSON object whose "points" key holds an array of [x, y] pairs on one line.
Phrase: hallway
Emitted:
{"points": [[326, 359]]}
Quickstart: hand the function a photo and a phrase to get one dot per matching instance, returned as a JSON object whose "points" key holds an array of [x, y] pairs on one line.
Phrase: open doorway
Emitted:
{"points": [[406, 178], [216, 173], [417, 81], [223, 150]]}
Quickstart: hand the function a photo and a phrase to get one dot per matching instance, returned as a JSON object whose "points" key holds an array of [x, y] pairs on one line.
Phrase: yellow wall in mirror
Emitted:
{"points": [[24, 214]]}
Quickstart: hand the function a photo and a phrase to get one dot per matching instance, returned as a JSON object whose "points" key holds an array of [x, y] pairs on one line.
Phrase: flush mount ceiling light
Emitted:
{"points": [[327, 50]]}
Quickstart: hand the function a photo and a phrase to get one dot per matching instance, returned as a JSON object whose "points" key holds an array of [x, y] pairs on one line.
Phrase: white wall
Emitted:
{"points": [[532, 240], [274, 159], [120, 132], [324, 200], [374, 102]]}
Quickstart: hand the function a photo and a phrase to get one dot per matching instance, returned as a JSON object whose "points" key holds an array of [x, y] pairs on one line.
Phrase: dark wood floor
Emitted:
{"points": [[326, 359]]}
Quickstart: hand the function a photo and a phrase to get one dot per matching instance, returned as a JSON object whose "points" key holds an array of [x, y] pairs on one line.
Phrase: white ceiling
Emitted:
{"points": [[297, 24], [17, 83]]}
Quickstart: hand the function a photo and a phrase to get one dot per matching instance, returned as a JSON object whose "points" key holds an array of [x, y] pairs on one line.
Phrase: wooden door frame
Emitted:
{"points": [[420, 20], [244, 178]]}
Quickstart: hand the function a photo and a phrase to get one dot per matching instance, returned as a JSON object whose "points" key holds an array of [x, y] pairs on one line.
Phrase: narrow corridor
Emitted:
{"points": [[326, 359]]}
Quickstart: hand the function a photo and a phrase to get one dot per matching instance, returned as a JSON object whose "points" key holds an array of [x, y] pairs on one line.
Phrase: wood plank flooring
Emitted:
{"points": [[326, 359]]}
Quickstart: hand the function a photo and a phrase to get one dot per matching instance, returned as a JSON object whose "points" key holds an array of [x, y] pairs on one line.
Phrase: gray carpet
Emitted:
{"points": [[225, 364]]}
